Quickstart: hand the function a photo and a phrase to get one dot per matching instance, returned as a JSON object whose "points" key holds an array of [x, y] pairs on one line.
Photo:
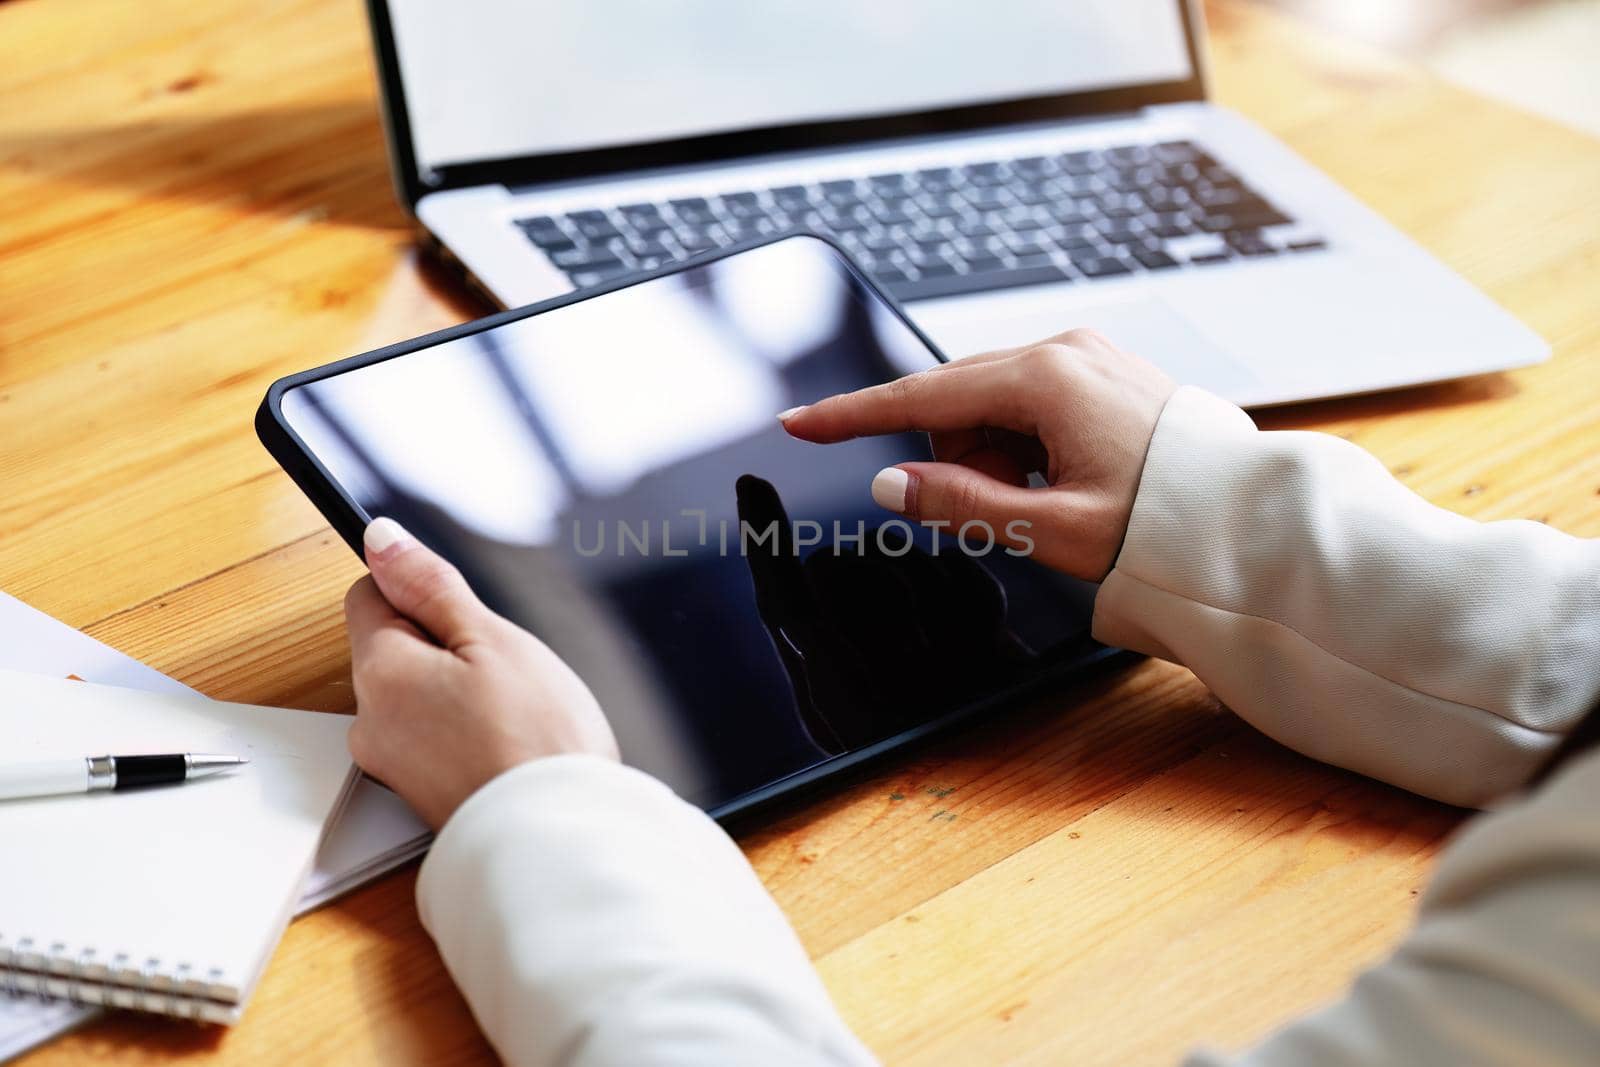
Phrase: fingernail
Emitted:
{"points": [[889, 488], [785, 416], [382, 535]]}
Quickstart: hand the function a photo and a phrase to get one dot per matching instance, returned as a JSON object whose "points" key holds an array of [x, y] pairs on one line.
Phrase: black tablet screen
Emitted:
{"points": [[611, 475]]}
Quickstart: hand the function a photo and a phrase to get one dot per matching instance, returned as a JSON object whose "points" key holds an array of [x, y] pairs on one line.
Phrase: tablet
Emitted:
{"points": [[607, 470]]}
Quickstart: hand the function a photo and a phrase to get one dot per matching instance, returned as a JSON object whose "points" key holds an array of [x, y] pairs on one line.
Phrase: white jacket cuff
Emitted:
{"points": [[1347, 617], [590, 916]]}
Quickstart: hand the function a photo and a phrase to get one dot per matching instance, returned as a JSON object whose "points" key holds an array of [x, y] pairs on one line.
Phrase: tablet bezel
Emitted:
{"points": [[350, 521]]}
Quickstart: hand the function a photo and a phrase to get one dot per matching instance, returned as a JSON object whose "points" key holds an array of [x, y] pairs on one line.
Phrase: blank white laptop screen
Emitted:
{"points": [[496, 79]]}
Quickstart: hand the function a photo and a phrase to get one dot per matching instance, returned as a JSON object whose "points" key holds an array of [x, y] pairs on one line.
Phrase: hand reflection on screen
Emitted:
{"points": [[877, 636]]}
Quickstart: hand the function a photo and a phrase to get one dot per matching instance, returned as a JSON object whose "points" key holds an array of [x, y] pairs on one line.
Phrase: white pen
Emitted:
{"points": [[93, 774]]}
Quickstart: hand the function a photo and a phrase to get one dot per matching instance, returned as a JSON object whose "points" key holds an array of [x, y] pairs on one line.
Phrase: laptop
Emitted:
{"points": [[1006, 170]]}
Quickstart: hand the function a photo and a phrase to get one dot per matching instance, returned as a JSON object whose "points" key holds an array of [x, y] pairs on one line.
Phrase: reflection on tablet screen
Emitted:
{"points": [[611, 475]]}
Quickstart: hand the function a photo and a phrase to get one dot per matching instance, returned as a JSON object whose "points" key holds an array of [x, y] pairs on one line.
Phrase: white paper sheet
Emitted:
{"points": [[376, 833]]}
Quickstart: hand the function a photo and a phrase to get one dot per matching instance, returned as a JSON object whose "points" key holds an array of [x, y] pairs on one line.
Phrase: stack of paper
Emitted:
{"points": [[376, 832], [160, 900]]}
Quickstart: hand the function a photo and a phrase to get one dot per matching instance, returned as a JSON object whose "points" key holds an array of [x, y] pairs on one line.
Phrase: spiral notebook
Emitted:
{"points": [[171, 899]]}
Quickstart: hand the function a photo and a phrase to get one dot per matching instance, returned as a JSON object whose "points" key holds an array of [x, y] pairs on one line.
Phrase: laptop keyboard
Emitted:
{"points": [[1078, 216]]}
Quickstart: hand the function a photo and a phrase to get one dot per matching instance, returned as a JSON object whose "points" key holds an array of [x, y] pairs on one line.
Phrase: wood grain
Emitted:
{"points": [[194, 201]]}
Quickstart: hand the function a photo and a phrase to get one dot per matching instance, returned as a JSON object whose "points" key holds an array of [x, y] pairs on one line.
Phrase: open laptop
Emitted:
{"points": [[1008, 170]]}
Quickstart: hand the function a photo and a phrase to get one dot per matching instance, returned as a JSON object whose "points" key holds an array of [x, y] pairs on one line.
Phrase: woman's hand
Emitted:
{"points": [[448, 693], [1074, 408]]}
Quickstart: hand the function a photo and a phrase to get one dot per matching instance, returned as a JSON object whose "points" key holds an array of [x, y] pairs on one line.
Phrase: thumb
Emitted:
{"points": [[957, 494], [421, 585]]}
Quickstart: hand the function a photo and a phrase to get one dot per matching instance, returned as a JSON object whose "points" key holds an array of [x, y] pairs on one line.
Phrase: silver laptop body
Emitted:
{"points": [[1007, 170]]}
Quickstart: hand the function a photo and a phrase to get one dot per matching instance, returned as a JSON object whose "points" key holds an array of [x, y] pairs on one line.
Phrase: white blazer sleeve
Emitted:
{"points": [[1345, 616], [592, 918]]}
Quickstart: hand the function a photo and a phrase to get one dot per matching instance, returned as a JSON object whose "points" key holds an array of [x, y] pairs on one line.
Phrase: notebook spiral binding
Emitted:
{"points": [[53, 973]]}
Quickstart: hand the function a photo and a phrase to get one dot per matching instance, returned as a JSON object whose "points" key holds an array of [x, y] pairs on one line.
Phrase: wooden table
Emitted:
{"points": [[194, 201]]}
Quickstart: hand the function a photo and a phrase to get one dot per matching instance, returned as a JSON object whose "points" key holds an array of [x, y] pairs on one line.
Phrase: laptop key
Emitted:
{"points": [[648, 246], [931, 243], [1167, 224], [1033, 166], [743, 229], [1068, 231], [1186, 176], [694, 240], [695, 210], [1100, 266], [1228, 222], [779, 220], [959, 284], [932, 266], [1165, 197], [1127, 155], [984, 263], [1041, 259], [1235, 197], [978, 246], [841, 193], [1250, 243], [1175, 152], [1118, 231], [1120, 207], [539, 224], [558, 243], [1079, 162], [792, 198], [1070, 185], [642, 217], [892, 215], [1068, 213], [1154, 259], [1080, 246], [986, 199], [598, 230], [1023, 245], [735, 206], [1195, 244], [587, 259], [1131, 179], [551, 240], [841, 222], [938, 205]]}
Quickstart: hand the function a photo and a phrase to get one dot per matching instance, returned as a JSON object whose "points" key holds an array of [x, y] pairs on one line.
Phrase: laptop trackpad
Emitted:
{"points": [[1140, 323]]}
